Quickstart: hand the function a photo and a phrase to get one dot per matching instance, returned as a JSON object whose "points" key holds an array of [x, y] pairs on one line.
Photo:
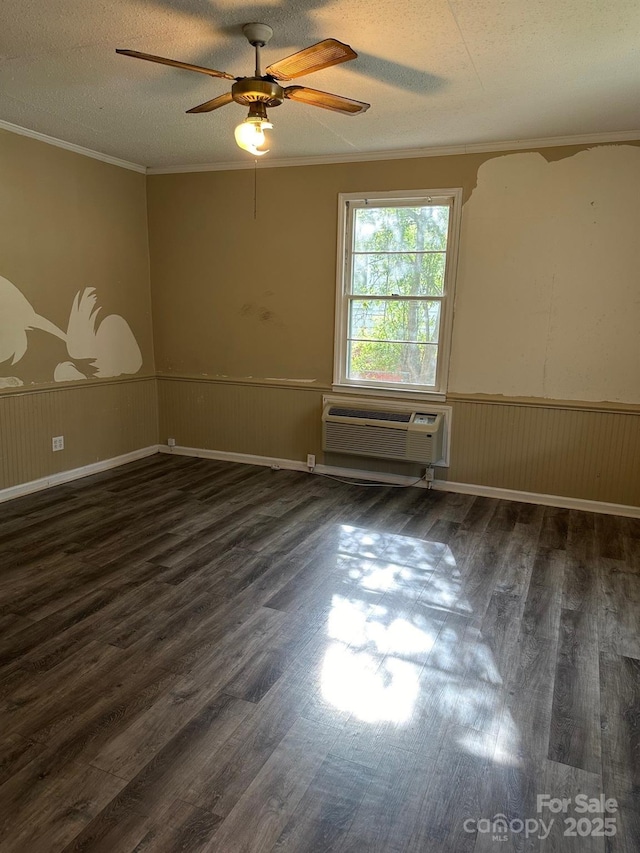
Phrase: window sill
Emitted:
{"points": [[400, 394]]}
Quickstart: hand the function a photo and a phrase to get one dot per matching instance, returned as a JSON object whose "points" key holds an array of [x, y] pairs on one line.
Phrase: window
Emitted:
{"points": [[396, 276]]}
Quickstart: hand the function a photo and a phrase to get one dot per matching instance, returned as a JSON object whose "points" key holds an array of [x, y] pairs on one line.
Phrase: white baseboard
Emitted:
{"points": [[535, 498], [75, 474], [399, 480], [243, 458], [330, 470]]}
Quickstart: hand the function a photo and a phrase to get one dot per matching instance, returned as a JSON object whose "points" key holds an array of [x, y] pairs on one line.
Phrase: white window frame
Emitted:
{"points": [[452, 196]]}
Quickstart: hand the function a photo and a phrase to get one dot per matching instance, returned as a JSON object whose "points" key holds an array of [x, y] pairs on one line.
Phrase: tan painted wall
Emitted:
{"points": [[240, 302], [242, 298], [68, 223], [548, 283], [548, 265], [239, 297]]}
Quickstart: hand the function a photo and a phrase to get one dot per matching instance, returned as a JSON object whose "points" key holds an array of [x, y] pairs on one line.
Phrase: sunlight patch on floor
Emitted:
{"points": [[403, 645], [373, 691]]}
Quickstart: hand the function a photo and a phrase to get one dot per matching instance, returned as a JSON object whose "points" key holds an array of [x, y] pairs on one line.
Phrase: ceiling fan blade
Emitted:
{"points": [[214, 104], [327, 101], [315, 58], [176, 64]]}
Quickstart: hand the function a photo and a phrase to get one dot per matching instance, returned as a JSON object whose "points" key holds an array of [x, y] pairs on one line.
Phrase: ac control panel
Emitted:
{"points": [[425, 420]]}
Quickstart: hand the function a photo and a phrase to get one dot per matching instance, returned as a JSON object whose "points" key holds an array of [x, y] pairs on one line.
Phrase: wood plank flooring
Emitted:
{"points": [[203, 656]]}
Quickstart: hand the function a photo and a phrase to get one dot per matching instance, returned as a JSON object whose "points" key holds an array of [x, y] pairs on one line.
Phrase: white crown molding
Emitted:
{"points": [[328, 159], [408, 153], [71, 146]]}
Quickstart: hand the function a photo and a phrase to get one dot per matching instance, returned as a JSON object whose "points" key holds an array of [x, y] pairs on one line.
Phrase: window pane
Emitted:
{"points": [[407, 274], [407, 364], [388, 320], [400, 229]]}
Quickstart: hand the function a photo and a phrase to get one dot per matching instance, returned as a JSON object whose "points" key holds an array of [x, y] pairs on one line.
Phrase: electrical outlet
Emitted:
{"points": [[171, 442], [57, 442], [311, 460], [429, 475]]}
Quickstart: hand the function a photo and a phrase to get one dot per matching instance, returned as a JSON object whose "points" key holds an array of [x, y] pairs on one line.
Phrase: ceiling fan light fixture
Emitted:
{"points": [[264, 90], [249, 133]]}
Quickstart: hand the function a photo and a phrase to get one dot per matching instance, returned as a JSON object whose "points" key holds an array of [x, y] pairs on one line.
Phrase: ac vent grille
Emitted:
{"points": [[410, 436], [366, 440], [399, 417]]}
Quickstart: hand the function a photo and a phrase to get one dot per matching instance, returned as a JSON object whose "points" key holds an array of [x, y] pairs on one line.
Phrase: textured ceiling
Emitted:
{"points": [[436, 72]]}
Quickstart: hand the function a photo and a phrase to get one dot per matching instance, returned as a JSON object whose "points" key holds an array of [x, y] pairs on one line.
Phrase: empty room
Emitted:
{"points": [[319, 427]]}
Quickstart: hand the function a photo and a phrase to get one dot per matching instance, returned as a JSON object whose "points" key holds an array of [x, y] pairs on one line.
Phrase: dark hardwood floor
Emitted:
{"points": [[203, 656]]}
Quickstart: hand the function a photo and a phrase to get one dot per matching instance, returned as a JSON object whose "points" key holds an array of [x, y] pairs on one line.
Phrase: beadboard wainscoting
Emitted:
{"points": [[241, 417], [580, 451], [99, 421], [577, 452], [570, 450]]}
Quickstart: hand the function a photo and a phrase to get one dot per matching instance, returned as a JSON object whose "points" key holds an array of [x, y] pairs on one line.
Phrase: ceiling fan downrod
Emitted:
{"points": [[258, 35]]}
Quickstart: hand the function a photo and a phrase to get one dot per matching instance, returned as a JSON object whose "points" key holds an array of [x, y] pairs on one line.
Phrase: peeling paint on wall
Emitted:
{"points": [[97, 349], [548, 295]]}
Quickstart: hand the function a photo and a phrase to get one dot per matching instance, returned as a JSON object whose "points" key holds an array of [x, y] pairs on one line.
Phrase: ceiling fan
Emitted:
{"points": [[264, 90]]}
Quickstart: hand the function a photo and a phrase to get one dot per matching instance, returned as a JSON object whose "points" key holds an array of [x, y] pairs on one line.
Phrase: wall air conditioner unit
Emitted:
{"points": [[409, 436]]}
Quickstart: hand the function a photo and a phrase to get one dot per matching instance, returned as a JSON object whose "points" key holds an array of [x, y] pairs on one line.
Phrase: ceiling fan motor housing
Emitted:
{"points": [[249, 90]]}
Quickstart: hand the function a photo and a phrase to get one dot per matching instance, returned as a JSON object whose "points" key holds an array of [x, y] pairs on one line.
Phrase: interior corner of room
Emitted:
{"points": [[224, 340]]}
